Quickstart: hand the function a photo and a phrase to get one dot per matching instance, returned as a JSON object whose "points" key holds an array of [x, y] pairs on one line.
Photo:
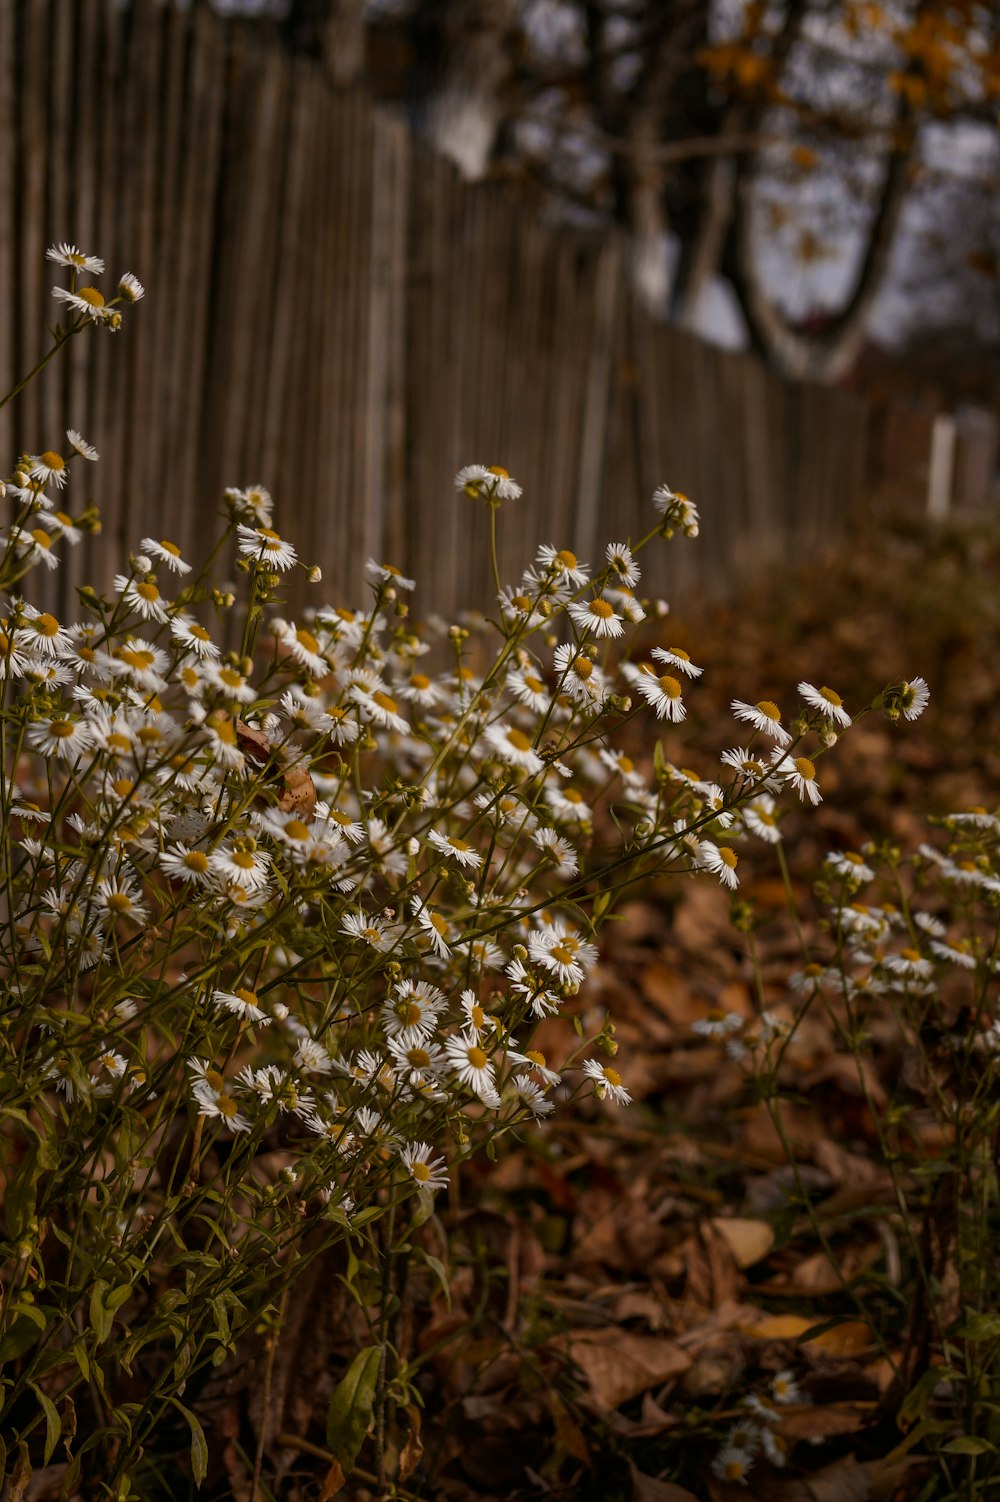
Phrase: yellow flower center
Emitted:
{"points": [[67, 521], [912, 955], [535, 684], [61, 729], [413, 1014], [42, 538], [521, 602], [626, 764], [805, 768], [296, 830], [476, 1056], [419, 681], [728, 856], [52, 460], [679, 652], [248, 997], [602, 609], [227, 1106], [566, 558], [46, 625], [421, 1172], [196, 860], [562, 953], [123, 787], [231, 678], [438, 924], [499, 471], [119, 902], [670, 687], [306, 639], [457, 844], [611, 1075], [148, 592], [384, 701], [477, 1016], [831, 697], [92, 296], [170, 547], [244, 860], [536, 1057], [132, 657], [418, 1058], [519, 740], [199, 633], [345, 615], [118, 742], [769, 708]]}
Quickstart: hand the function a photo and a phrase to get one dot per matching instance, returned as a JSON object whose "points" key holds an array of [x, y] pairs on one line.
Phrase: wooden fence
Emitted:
{"points": [[332, 312]]}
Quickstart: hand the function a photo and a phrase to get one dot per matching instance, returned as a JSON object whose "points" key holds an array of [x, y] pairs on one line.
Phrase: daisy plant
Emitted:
{"points": [[291, 908]]}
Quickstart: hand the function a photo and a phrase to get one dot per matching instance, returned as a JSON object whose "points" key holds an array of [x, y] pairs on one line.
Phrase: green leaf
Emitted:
{"points": [[53, 1423], [199, 1445], [918, 1397], [21, 1334], [101, 1317], [981, 1327], [351, 1406], [968, 1444]]}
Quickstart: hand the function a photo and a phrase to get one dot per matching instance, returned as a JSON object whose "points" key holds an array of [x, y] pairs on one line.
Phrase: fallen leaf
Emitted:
{"points": [[649, 1489], [748, 1240], [619, 1365], [299, 795], [332, 1482]]}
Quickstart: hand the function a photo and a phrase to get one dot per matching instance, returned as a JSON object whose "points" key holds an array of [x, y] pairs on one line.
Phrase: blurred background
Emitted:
{"points": [[749, 249]]}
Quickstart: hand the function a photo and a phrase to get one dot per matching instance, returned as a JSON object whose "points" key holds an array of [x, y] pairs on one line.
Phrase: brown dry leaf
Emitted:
{"points": [[252, 742], [648, 1489], [832, 1418], [568, 1434], [299, 793], [748, 1240], [619, 1365], [671, 994], [845, 1339], [332, 1482], [411, 1452], [846, 1480], [780, 1327]]}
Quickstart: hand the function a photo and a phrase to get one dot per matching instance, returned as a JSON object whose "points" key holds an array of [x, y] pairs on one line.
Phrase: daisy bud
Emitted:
{"points": [[143, 565], [315, 574]]}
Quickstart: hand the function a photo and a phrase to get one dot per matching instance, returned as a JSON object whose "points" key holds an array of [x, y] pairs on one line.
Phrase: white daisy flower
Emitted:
{"points": [[80, 446], [471, 1065], [385, 573], [142, 596], [130, 288], [532, 1096], [255, 499], [65, 254], [764, 716], [676, 657], [435, 927], [193, 637], [801, 773], [426, 1171], [243, 1003], [559, 851], [528, 689], [595, 617], [607, 1082], [64, 739], [564, 564], [849, 864], [421, 690], [721, 861], [266, 547], [368, 930], [42, 634], [618, 556], [485, 482], [664, 694], [183, 863], [229, 681], [62, 525], [456, 849], [914, 698], [827, 701], [676, 510], [165, 552], [301, 646], [380, 708], [784, 1388], [413, 1006], [49, 468], [760, 819], [37, 544], [514, 747], [86, 300]]}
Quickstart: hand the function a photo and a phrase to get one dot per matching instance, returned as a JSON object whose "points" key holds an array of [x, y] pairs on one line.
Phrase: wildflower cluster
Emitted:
{"points": [[907, 978], [286, 920]]}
